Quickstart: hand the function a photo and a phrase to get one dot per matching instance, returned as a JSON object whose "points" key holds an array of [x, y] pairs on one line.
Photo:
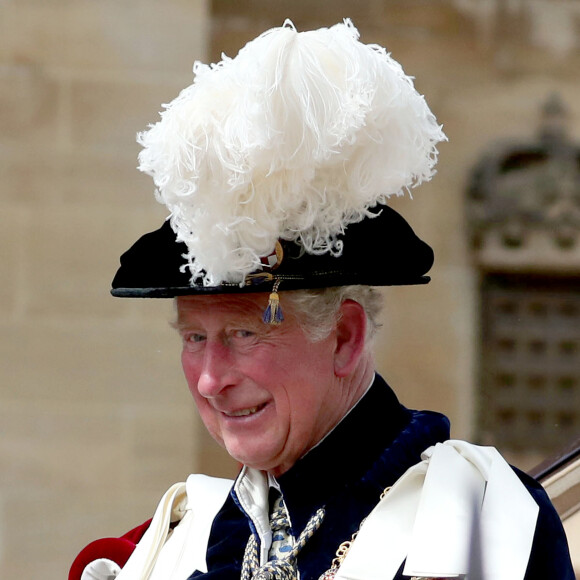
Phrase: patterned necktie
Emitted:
{"points": [[282, 538], [283, 552]]}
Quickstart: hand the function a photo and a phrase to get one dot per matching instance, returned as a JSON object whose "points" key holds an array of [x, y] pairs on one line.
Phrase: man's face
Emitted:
{"points": [[266, 393]]}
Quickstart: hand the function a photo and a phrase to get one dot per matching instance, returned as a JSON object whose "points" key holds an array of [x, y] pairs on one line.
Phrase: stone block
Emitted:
{"points": [[106, 115], [413, 347], [32, 175], [29, 100], [100, 178], [298, 10], [107, 36], [147, 35], [13, 258], [49, 526], [163, 446], [73, 253], [35, 176], [61, 446], [84, 467], [87, 363]]}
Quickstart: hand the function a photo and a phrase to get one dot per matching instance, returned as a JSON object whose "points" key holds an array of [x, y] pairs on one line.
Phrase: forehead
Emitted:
{"points": [[247, 307]]}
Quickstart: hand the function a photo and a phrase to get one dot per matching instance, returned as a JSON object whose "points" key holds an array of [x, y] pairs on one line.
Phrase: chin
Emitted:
{"points": [[258, 460]]}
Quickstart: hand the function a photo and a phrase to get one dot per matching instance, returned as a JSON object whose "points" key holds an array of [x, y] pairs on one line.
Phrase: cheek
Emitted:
{"points": [[314, 391], [192, 371], [185, 363]]}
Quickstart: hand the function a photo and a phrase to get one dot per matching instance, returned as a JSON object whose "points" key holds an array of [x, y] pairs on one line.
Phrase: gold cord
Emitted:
{"points": [[344, 548]]}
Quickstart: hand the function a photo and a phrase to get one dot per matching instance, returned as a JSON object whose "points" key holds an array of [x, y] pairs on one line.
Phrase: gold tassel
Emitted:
{"points": [[273, 314]]}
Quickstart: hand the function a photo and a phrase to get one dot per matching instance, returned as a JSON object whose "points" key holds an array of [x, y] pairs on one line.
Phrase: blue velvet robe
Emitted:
{"points": [[368, 451]]}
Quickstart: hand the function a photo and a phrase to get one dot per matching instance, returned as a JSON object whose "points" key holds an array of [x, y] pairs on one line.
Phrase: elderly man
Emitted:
{"points": [[276, 167]]}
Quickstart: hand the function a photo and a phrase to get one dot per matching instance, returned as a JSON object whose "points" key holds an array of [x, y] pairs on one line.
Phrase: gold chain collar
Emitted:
{"points": [[344, 548]]}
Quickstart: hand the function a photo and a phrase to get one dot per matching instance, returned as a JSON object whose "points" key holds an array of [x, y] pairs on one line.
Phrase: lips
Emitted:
{"points": [[244, 412]]}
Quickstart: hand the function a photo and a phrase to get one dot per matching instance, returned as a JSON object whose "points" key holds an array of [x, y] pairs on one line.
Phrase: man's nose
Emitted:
{"points": [[217, 372]]}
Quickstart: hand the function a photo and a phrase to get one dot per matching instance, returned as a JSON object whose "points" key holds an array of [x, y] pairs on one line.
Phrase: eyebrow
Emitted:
{"points": [[177, 325], [249, 322]]}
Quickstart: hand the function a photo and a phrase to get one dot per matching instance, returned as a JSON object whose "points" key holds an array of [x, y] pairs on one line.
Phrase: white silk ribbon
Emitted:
{"points": [[164, 554], [427, 517]]}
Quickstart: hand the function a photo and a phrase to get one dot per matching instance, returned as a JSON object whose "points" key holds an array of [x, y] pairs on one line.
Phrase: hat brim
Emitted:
{"points": [[382, 250]]}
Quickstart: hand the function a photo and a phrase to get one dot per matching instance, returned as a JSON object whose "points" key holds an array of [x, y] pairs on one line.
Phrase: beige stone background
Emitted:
{"points": [[95, 418]]}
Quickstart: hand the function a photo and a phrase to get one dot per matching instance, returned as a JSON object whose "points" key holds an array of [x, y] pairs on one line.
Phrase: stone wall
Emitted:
{"points": [[95, 418]]}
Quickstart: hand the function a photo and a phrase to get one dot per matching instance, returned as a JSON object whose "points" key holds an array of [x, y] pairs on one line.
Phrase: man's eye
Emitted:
{"points": [[194, 338], [244, 333]]}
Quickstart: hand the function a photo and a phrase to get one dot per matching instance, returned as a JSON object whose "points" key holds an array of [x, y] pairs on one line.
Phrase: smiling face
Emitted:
{"points": [[266, 393]]}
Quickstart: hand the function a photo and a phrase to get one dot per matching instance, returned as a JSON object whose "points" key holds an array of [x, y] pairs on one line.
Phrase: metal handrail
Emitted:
{"points": [[560, 477]]}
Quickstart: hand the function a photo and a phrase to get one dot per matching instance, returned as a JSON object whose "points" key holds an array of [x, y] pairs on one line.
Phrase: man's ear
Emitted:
{"points": [[350, 338]]}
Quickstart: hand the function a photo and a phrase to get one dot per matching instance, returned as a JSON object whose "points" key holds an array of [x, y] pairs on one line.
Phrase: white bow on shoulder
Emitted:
{"points": [[427, 517], [166, 553]]}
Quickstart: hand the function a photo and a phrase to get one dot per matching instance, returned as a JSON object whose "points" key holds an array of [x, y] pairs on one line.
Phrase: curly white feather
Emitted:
{"points": [[295, 138]]}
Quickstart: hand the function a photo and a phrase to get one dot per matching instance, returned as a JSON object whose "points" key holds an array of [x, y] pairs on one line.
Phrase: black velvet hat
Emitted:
{"points": [[276, 167], [378, 251]]}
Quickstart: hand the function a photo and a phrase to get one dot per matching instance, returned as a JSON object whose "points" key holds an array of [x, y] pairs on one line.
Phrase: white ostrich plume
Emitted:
{"points": [[294, 138]]}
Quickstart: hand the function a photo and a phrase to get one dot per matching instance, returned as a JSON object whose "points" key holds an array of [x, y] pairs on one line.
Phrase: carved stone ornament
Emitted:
{"points": [[524, 201]]}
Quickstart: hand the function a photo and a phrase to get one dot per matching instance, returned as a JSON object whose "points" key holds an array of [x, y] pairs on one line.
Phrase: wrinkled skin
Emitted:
{"points": [[267, 393]]}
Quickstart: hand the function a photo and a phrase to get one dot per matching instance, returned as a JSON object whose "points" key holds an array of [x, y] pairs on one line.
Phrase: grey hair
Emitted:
{"points": [[318, 311]]}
